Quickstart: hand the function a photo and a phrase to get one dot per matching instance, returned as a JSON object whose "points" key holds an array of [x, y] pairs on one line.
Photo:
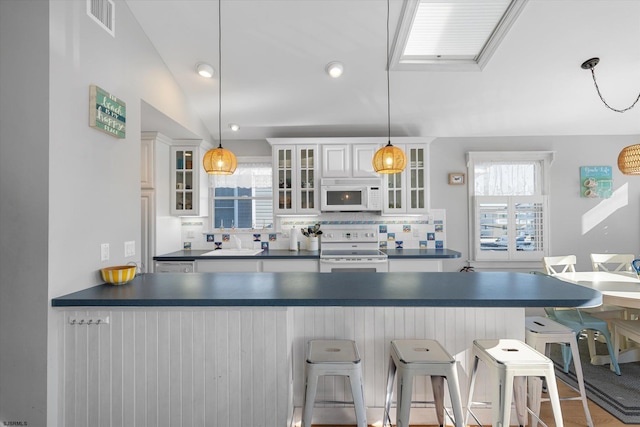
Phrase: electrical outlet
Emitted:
{"points": [[104, 252], [130, 248]]}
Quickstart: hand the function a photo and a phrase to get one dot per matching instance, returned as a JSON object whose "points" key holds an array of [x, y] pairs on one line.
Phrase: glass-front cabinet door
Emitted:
{"points": [[284, 179], [307, 191], [415, 178], [184, 181], [394, 193]]}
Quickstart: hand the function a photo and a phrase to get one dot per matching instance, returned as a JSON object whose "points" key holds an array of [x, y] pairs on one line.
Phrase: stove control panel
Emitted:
{"points": [[368, 235]]}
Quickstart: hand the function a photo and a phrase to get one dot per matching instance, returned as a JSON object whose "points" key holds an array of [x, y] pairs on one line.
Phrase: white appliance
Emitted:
{"points": [[351, 249], [351, 194]]}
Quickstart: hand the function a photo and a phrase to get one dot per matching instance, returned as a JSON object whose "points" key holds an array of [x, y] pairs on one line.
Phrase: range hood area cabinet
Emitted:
{"points": [[295, 179], [188, 187], [348, 160]]}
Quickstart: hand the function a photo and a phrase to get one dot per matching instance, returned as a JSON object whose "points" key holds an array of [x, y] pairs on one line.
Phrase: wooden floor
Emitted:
{"points": [[572, 413]]}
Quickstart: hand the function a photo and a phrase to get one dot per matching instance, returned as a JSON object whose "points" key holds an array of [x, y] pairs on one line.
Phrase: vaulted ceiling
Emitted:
{"points": [[274, 84]]}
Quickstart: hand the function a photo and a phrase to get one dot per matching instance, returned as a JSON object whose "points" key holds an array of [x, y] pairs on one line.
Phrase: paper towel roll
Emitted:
{"points": [[293, 239]]}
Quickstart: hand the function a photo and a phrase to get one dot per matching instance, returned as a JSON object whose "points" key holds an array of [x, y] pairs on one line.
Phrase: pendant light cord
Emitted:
{"points": [[388, 83], [219, 73]]}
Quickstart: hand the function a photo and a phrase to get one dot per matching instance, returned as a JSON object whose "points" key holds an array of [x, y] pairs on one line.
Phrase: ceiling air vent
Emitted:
{"points": [[104, 13]]}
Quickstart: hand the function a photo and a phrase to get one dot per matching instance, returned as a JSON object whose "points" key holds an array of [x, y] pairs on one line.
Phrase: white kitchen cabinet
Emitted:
{"points": [[406, 192], [174, 267], [147, 161], [228, 266], [336, 161], [188, 180], [362, 160], [415, 265], [287, 265], [296, 179]]}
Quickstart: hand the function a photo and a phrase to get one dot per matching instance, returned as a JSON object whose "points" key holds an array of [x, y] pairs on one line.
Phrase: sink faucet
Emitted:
{"points": [[237, 242]]}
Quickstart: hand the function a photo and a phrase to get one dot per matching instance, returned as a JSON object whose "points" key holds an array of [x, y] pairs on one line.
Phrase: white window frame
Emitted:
{"points": [[511, 257], [241, 160]]}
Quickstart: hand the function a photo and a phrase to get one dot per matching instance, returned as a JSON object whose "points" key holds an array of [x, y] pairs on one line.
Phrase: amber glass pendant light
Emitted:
{"points": [[389, 159], [219, 161]]}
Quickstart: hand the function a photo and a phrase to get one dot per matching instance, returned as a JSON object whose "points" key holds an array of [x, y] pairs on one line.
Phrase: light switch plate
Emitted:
{"points": [[130, 248], [104, 252]]}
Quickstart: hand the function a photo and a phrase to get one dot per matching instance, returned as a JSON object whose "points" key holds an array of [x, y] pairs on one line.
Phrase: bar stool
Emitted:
{"points": [[333, 357], [410, 358], [540, 332], [510, 362]]}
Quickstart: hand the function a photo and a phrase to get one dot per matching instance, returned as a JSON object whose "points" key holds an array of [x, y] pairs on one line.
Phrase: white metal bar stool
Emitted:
{"points": [[540, 332], [409, 358], [333, 357], [510, 362]]}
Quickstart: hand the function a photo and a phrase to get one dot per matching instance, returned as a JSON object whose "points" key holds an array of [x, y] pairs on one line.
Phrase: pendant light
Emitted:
{"points": [[219, 161], [590, 64], [389, 159], [629, 160]]}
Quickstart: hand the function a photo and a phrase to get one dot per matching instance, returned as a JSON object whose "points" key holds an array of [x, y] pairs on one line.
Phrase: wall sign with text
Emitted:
{"points": [[596, 182], [106, 112]]}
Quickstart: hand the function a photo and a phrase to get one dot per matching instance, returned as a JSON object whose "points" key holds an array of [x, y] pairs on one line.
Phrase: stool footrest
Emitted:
{"points": [[335, 402]]}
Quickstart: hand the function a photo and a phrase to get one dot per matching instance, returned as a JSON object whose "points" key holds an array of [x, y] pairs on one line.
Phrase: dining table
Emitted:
{"points": [[619, 288]]}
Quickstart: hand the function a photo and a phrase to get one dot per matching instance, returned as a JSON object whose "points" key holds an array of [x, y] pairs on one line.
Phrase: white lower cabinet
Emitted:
{"points": [[285, 265], [415, 265], [228, 266], [174, 267]]}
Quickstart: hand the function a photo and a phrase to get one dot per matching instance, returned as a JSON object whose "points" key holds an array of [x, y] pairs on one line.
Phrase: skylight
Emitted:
{"points": [[452, 34]]}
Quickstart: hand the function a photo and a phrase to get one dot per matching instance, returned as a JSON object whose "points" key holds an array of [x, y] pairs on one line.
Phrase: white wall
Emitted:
{"points": [[617, 232], [24, 227]]}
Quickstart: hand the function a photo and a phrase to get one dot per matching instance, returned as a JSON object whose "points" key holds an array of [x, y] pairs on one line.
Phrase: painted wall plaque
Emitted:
{"points": [[106, 112], [596, 181]]}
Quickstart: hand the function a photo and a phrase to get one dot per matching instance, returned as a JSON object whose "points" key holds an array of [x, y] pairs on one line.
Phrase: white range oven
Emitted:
{"points": [[351, 248]]}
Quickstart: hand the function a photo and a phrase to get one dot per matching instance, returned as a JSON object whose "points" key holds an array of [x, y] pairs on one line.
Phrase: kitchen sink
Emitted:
{"points": [[233, 252]]}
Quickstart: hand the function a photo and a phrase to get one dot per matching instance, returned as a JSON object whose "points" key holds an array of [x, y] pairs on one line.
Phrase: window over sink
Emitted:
{"points": [[243, 200]]}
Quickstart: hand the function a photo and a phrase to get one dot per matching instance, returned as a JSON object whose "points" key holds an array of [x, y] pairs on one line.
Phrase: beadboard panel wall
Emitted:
{"points": [[210, 367], [245, 366]]}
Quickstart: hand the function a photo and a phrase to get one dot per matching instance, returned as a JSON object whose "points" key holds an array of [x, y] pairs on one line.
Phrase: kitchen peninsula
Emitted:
{"points": [[228, 348]]}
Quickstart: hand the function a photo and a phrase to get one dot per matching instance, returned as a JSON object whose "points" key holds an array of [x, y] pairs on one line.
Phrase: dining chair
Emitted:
{"points": [[612, 262], [575, 318]]}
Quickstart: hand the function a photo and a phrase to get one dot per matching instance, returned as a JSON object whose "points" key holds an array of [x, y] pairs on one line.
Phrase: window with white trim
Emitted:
{"points": [[245, 199], [508, 194]]}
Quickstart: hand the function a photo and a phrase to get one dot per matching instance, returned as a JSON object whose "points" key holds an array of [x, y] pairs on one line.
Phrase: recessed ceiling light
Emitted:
{"points": [[234, 127], [205, 70], [335, 69]]}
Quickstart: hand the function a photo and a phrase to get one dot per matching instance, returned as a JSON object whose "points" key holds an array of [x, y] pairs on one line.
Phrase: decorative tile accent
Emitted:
{"points": [[218, 245], [399, 244], [273, 237], [382, 229], [226, 238], [391, 236], [439, 244], [257, 237], [439, 228], [265, 246], [383, 244], [406, 228], [423, 244], [431, 236], [210, 238], [186, 245]]}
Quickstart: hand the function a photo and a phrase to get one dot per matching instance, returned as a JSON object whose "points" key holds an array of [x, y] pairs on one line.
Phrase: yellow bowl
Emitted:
{"points": [[118, 275]]}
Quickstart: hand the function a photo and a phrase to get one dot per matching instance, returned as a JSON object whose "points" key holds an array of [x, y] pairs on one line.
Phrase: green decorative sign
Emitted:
{"points": [[107, 113]]}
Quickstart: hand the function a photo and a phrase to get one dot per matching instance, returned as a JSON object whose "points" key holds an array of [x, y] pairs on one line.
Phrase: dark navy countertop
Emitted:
{"points": [[194, 254], [481, 289]]}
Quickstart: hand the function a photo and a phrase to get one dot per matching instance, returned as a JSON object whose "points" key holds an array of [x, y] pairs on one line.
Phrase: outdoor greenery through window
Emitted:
{"points": [[509, 196], [244, 199]]}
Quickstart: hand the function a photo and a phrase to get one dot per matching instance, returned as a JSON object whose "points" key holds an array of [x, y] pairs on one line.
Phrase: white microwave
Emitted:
{"points": [[351, 194]]}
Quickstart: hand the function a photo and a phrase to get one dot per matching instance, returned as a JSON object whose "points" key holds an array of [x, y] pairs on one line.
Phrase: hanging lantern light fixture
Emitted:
{"points": [[219, 161], [389, 159], [629, 160]]}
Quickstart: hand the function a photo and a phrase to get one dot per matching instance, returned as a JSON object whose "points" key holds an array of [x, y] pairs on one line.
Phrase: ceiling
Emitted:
{"points": [[274, 85]]}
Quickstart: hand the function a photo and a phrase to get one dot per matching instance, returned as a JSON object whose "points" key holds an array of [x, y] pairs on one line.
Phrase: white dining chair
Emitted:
{"points": [[559, 264], [612, 262]]}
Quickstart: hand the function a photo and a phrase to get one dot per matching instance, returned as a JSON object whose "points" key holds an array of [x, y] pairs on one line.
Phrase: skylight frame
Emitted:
{"points": [[409, 10]]}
